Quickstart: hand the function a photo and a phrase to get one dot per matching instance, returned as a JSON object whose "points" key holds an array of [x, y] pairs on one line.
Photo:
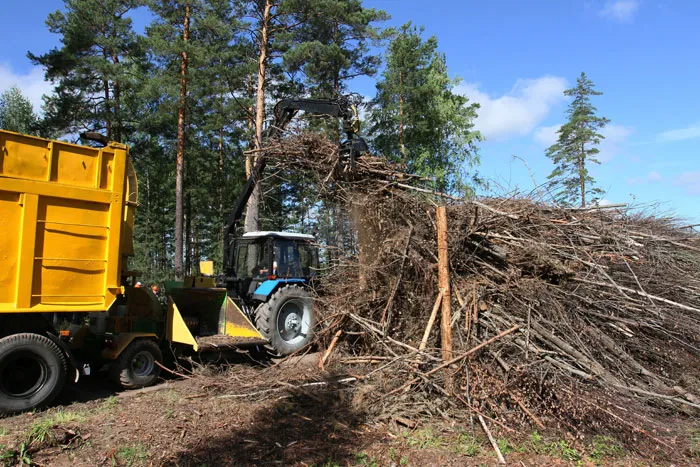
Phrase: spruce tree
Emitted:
{"points": [[576, 146], [418, 119]]}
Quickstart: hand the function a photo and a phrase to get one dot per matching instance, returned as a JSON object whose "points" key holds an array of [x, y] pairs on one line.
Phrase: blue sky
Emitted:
{"points": [[515, 58]]}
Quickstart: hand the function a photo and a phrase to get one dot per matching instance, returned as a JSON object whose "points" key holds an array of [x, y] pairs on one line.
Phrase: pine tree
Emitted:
{"points": [[334, 44], [17, 113], [576, 146], [91, 68], [418, 119], [188, 43]]}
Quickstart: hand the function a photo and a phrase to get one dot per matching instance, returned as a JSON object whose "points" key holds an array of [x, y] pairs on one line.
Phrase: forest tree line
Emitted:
{"points": [[193, 92]]}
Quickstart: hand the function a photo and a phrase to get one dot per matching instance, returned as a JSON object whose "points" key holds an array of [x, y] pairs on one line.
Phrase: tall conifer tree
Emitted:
{"points": [[417, 117], [576, 147]]}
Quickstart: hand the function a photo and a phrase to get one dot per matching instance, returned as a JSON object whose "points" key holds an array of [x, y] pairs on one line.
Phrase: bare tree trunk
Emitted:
{"points": [[582, 176], [116, 94], [180, 159], [221, 166], [444, 283], [108, 120], [252, 216], [402, 147]]}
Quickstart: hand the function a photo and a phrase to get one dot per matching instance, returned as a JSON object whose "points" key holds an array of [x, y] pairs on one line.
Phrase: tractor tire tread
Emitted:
{"points": [[265, 315]]}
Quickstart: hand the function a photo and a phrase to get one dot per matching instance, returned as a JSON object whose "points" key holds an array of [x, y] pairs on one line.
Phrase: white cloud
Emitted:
{"points": [[680, 134], [689, 181], [546, 135], [518, 112], [654, 176], [604, 202], [615, 137], [620, 10], [31, 84]]}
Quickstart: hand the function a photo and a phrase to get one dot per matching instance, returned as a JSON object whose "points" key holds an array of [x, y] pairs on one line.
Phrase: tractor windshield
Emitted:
{"points": [[294, 259], [253, 260]]}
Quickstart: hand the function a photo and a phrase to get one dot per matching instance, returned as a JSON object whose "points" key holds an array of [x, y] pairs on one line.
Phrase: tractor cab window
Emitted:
{"points": [[286, 260], [309, 259], [294, 259], [252, 260]]}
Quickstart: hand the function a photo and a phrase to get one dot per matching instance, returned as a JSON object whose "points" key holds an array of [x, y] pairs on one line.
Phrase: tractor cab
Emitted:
{"points": [[264, 261]]}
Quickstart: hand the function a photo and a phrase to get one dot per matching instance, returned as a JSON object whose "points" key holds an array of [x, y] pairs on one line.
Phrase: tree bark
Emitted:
{"points": [[444, 284], [402, 146], [582, 176], [252, 216], [180, 158]]}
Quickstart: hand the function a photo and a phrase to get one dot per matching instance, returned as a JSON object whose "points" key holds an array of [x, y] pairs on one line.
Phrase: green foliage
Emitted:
{"points": [[92, 69], [605, 448], [418, 119], [695, 443], [135, 454], [127, 85], [17, 113], [40, 431], [467, 445], [362, 458], [423, 438], [3, 431], [576, 146], [334, 43]]}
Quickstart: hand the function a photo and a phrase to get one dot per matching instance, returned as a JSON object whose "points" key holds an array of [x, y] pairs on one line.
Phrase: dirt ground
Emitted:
{"points": [[184, 422]]}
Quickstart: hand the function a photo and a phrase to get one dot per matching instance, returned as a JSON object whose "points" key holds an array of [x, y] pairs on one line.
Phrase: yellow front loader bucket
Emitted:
{"points": [[207, 319]]}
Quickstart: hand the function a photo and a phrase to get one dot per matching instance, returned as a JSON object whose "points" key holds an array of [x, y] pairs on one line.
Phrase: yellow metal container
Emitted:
{"points": [[66, 224]]}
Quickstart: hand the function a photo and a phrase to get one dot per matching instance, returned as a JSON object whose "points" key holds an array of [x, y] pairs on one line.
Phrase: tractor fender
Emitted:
{"points": [[270, 286], [122, 341]]}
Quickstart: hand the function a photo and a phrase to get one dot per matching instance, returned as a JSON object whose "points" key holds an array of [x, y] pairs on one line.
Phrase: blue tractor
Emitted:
{"points": [[269, 274]]}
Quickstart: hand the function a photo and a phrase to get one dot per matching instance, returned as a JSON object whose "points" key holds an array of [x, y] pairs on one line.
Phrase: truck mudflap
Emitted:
{"points": [[206, 318]]}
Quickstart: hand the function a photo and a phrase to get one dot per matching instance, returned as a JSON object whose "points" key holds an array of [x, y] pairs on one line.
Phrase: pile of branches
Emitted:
{"points": [[581, 319]]}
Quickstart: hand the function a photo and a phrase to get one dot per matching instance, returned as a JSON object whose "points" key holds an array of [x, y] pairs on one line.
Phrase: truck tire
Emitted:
{"points": [[33, 370], [286, 320], [136, 366]]}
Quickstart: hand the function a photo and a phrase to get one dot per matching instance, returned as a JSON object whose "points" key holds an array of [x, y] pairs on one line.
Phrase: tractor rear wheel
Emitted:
{"points": [[286, 320], [137, 365], [33, 371]]}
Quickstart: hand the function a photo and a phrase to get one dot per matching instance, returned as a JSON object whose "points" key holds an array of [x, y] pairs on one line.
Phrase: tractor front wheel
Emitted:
{"points": [[137, 365], [286, 320]]}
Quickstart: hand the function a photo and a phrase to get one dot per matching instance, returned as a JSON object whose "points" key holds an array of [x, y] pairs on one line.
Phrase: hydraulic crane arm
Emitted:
{"points": [[284, 111]]}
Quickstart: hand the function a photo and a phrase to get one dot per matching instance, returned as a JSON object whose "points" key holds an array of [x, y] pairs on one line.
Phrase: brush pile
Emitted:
{"points": [[583, 320]]}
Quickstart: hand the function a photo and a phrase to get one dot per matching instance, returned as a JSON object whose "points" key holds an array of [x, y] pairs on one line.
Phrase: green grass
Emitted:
{"points": [[605, 448], [506, 446], [695, 443], [467, 445], [132, 455], [362, 458], [109, 403], [41, 429], [3, 431], [422, 439]]}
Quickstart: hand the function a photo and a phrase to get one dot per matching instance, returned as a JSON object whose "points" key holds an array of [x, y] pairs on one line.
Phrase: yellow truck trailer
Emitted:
{"points": [[67, 217]]}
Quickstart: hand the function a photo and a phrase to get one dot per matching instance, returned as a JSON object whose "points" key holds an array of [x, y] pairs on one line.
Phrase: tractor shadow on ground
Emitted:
{"points": [[311, 427]]}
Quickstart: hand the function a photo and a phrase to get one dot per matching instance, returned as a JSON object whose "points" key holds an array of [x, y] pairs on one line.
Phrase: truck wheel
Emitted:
{"points": [[136, 366], [286, 320], [33, 371]]}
